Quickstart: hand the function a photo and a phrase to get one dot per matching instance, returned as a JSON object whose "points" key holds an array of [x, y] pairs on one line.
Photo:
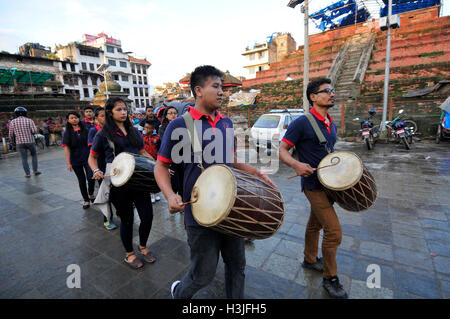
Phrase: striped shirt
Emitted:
{"points": [[22, 130]]}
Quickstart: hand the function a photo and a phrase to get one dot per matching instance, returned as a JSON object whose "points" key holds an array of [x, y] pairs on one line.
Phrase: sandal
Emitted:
{"points": [[135, 264], [148, 257]]}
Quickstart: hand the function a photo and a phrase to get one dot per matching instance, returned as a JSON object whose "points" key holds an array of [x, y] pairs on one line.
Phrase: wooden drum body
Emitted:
{"points": [[134, 171], [349, 183], [237, 203]]}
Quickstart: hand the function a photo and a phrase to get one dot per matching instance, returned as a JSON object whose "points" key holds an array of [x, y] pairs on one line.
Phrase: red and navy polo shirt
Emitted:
{"points": [[224, 148], [92, 132], [79, 153], [100, 145], [301, 135], [88, 124], [101, 158]]}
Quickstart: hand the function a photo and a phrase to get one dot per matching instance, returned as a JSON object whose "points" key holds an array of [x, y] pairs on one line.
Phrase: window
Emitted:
{"points": [[116, 77], [83, 66], [125, 78], [84, 79], [142, 102], [109, 49], [126, 90], [112, 62], [119, 50], [134, 79], [145, 80], [72, 67], [91, 66], [123, 64], [132, 68], [136, 92], [137, 102], [140, 80], [138, 68], [141, 92], [252, 56], [89, 53], [86, 92], [144, 70], [98, 65]]}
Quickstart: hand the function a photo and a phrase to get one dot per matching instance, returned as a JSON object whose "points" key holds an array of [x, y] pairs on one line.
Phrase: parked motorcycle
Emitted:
{"points": [[400, 131], [369, 132]]}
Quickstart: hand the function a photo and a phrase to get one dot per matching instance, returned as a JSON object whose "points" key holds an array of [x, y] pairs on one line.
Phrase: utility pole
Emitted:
{"points": [[304, 9], [306, 60], [386, 72]]}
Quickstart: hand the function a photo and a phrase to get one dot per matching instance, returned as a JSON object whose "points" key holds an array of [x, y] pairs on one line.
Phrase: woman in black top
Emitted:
{"points": [[170, 113], [125, 138], [77, 153]]}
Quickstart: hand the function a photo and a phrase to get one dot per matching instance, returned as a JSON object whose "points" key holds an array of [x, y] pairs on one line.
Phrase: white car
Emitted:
{"points": [[270, 128]]}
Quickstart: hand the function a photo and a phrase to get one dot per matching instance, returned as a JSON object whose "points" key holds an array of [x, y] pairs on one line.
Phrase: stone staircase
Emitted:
{"points": [[351, 72]]}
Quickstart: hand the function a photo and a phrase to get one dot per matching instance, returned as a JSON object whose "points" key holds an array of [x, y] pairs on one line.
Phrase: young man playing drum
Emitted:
{"points": [[301, 134], [205, 244]]}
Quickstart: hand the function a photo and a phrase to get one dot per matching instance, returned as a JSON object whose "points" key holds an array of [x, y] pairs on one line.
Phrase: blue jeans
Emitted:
{"points": [[205, 245], [22, 149]]}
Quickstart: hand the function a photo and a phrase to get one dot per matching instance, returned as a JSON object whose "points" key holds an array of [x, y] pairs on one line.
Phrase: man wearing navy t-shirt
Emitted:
{"points": [[89, 117], [301, 134], [205, 244]]}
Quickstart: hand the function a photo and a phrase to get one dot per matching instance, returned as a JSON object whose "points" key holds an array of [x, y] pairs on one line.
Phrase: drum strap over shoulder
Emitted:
{"points": [[319, 134], [193, 135]]}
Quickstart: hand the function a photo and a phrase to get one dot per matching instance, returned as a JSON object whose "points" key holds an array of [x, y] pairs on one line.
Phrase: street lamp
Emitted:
{"points": [[102, 68], [304, 9]]}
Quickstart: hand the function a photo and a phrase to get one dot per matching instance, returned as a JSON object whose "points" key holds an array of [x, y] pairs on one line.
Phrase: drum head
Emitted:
{"points": [[122, 169], [215, 190], [343, 175]]}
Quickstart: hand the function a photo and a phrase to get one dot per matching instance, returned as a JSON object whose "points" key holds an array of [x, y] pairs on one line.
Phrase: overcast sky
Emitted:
{"points": [[175, 36]]}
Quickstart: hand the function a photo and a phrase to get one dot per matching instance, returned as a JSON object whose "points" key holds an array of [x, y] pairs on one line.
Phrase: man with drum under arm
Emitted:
{"points": [[303, 136], [215, 129]]}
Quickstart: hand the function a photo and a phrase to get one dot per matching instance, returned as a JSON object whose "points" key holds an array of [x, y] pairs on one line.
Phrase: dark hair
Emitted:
{"points": [[147, 107], [201, 74], [314, 86], [98, 110], [89, 107], [110, 128], [149, 123], [72, 140], [165, 121]]}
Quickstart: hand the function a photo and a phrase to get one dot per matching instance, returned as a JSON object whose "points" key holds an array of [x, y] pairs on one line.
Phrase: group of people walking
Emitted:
{"points": [[92, 144]]}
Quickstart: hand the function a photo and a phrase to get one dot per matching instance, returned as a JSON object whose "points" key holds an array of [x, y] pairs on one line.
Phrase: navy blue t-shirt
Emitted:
{"points": [[79, 153], [301, 135], [191, 170], [88, 124], [100, 145], [101, 157]]}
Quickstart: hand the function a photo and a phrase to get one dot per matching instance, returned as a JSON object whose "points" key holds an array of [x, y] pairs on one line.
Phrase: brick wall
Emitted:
{"points": [[420, 55]]}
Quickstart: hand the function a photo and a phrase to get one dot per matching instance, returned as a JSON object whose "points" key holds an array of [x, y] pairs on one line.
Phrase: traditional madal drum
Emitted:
{"points": [[348, 182], [236, 203], [134, 171]]}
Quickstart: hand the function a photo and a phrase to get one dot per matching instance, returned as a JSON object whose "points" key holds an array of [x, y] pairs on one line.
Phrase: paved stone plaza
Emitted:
{"points": [[43, 229]]}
